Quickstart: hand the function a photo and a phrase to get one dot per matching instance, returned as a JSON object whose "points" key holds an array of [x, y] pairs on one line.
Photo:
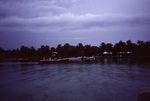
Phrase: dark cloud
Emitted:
{"points": [[66, 20], [73, 22], [29, 8]]}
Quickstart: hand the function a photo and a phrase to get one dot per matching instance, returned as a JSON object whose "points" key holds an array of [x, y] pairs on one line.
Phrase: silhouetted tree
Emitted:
{"points": [[87, 50], [66, 49], [32, 51], [94, 50], [1, 52], [72, 51], [147, 48], [80, 49], [102, 48], [53, 49], [24, 51], [44, 51], [59, 49], [130, 46], [109, 47], [120, 47], [141, 48]]}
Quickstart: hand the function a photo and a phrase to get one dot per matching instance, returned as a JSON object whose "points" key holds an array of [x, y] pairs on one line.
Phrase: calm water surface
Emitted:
{"points": [[97, 81]]}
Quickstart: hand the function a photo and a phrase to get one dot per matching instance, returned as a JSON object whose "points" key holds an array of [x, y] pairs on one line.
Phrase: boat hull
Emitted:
{"points": [[55, 61]]}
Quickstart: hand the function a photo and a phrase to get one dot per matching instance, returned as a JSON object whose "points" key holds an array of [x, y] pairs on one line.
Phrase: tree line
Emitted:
{"points": [[140, 48]]}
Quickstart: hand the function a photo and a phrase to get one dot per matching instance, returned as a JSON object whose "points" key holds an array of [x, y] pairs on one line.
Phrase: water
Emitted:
{"points": [[97, 81]]}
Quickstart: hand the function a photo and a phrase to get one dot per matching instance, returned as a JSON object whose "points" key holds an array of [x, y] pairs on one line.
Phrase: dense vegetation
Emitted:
{"points": [[141, 48]]}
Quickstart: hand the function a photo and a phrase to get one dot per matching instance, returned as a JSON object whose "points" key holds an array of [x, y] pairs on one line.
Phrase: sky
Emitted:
{"points": [[53, 22]]}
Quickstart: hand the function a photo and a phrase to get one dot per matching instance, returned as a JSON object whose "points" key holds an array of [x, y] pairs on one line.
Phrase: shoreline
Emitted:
{"points": [[36, 59]]}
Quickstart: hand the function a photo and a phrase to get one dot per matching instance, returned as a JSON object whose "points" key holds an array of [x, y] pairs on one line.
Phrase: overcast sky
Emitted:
{"points": [[53, 22]]}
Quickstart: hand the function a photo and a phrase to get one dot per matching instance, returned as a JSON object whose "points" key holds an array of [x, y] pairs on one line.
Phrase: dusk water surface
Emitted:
{"points": [[97, 81]]}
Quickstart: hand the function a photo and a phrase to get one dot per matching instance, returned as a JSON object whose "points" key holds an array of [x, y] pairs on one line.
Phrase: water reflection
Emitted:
{"points": [[106, 79], [124, 60]]}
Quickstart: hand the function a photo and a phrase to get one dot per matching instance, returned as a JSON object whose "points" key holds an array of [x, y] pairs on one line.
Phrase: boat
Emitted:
{"points": [[54, 59], [49, 61], [88, 58]]}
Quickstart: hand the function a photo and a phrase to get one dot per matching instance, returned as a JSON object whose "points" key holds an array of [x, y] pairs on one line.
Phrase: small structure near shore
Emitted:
{"points": [[107, 53]]}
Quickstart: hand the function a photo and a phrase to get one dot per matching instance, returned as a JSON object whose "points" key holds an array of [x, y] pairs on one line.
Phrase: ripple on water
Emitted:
{"points": [[72, 82]]}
